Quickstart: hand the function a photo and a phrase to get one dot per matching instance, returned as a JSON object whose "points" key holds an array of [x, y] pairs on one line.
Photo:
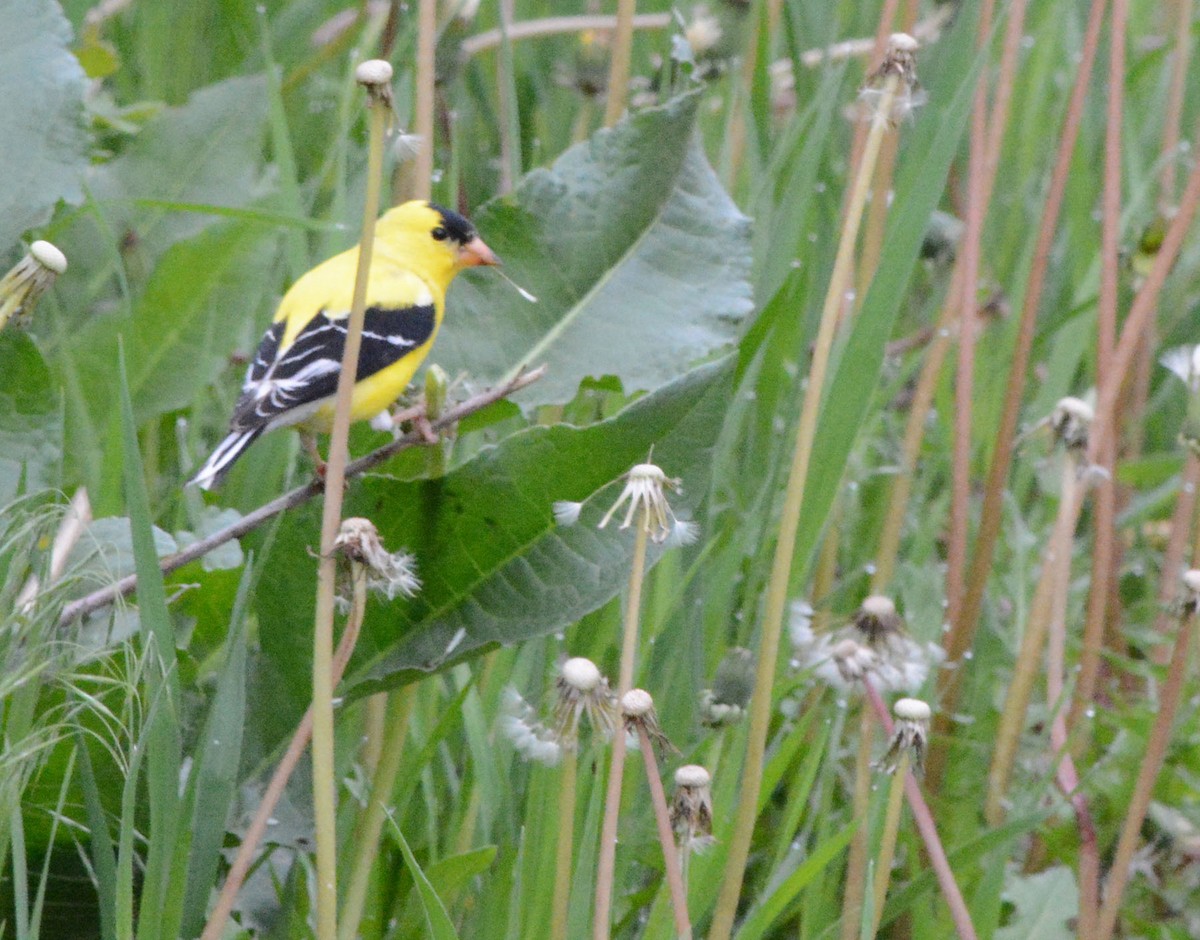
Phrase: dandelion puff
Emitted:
{"points": [[566, 512], [637, 707], [682, 533], [900, 61], [733, 683], [519, 723], [1071, 421], [911, 736], [1184, 363]]}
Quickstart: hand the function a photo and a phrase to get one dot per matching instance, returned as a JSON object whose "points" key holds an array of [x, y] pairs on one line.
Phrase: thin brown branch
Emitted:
{"points": [[296, 497]]}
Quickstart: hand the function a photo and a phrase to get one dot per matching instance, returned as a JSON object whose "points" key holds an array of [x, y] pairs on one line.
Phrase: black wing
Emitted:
{"points": [[305, 372]]}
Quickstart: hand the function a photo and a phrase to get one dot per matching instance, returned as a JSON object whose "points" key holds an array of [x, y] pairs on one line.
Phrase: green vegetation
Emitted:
{"points": [[846, 348]]}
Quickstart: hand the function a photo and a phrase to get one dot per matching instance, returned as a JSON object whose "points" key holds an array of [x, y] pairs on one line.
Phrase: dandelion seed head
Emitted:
{"points": [[389, 573], [692, 775], [691, 809], [637, 703], [28, 280], [581, 674], [373, 72], [910, 736]]}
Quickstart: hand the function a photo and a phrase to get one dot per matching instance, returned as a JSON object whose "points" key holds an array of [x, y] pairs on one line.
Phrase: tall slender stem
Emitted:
{"points": [[622, 59], [1020, 687], [607, 862], [1104, 524], [370, 827], [855, 884], [566, 841], [324, 785], [423, 107], [247, 851], [1143, 788], [962, 629], [887, 844], [662, 818], [785, 546]]}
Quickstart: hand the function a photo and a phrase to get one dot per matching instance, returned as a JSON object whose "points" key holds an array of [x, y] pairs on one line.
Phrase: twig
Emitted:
{"points": [[296, 497]]}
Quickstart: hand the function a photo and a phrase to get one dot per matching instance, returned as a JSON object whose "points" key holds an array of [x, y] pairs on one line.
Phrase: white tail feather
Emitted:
{"points": [[223, 457]]}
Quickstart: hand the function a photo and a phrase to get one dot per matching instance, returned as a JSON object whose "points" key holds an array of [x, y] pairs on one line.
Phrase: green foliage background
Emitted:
{"points": [[192, 158]]}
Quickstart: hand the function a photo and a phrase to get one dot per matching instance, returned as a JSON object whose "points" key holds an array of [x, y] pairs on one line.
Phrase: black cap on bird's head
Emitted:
{"points": [[456, 228]]}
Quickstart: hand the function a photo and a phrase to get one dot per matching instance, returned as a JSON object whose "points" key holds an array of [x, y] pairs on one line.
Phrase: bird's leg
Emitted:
{"points": [[309, 442]]}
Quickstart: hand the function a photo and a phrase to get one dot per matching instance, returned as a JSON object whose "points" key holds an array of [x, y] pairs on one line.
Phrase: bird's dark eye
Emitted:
{"points": [[440, 234]]}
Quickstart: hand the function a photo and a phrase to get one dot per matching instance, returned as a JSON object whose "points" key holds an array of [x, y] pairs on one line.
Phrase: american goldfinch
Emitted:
{"points": [[419, 248]]}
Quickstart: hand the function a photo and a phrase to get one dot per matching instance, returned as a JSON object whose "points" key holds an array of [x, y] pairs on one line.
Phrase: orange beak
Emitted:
{"points": [[475, 253]]}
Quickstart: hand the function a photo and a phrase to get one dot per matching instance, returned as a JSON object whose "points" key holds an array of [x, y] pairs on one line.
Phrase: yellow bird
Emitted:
{"points": [[419, 248]]}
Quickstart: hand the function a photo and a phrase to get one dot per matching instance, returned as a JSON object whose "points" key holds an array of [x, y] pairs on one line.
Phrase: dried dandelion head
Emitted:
{"points": [[637, 708], [892, 91], [580, 690], [645, 492], [877, 619], [853, 660], [691, 809], [702, 32], [910, 736], [1071, 421], [25, 283], [389, 573]]}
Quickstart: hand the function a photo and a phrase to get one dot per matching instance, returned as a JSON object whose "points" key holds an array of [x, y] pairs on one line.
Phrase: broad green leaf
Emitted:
{"points": [[43, 147], [494, 566], [208, 151], [639, 259], [1047, 904], [199, 304], [30, 419]]}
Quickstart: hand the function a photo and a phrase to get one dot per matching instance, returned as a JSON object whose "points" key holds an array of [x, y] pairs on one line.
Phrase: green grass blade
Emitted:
{"points": [[161, 680], [102, 850], [440, 926]]}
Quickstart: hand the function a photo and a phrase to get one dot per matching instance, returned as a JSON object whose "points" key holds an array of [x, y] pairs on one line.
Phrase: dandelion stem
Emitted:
{"points": [[1041, 613], [566, 842], [622, 58], [324, 784], [1143, 789], [923, 819], [887, 844], [606, 865], [422, 171], [855, 886], [215, 928], [662, 817], [370, 824], [785, 547]]}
